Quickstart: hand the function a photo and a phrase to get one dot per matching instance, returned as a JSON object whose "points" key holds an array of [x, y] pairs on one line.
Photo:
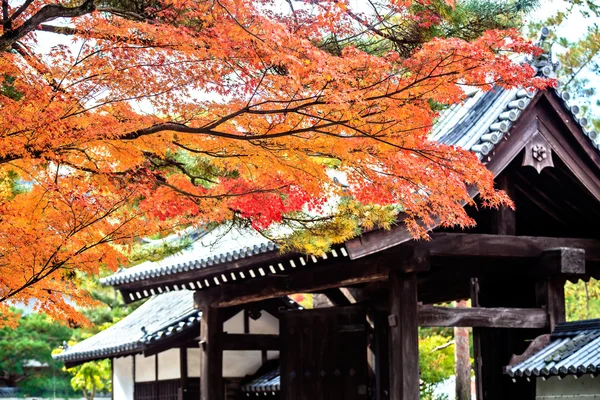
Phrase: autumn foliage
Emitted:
{"points": [[185, 112]]}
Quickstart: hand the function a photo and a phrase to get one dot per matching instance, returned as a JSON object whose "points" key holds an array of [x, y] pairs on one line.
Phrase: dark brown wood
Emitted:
{"points": [[211, 371], [324, 355], [564, 260], [477, 360], [576, 151], [504, 218], [538, 154], [575, 130], [556, 301], [375, 268], [486, 245], [183, 370], [497, 317], [250, 342], [404, 338], [305, 279], [382, 360], [505, 246]]}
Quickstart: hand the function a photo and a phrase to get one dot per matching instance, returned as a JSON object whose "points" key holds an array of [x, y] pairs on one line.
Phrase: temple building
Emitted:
{"points": [[383, 285]]}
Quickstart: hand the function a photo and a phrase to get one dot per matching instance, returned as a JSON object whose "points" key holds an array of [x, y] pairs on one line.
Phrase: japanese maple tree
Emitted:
{"points": [[168, 113]]}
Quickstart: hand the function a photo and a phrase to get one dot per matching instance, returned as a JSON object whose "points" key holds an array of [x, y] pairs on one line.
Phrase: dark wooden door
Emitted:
{"points": [[324, 354]]}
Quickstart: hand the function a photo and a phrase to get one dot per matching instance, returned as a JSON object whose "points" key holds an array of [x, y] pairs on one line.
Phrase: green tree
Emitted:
{"points": [[580, 57], [26, 355], [436, 360], [91, 378], [582, 300]]}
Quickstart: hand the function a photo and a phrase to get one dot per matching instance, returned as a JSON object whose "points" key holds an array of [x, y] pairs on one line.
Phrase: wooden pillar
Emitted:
{"points": [[478, 362], [404, 336], [184, 373], [504, 221], [555, 302], [211, 373], [382, 361]]}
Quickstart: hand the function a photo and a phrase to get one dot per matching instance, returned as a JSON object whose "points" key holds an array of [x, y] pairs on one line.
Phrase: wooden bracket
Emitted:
{"points": [[538, 153]]}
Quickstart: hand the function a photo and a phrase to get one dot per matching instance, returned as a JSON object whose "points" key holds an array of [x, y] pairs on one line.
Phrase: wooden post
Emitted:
{"points": [[556, 301], [382, 362], [462, 360], [477, 343], [403, 333], [504, 218], [211, 373], [184, 373]]}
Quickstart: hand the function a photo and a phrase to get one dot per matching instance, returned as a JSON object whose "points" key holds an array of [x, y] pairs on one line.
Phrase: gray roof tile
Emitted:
{"points": [[158, 318], [575, 349]]}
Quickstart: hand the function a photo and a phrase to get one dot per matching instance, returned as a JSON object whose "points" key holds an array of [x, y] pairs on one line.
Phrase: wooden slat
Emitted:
{"points": [[479, 317]]}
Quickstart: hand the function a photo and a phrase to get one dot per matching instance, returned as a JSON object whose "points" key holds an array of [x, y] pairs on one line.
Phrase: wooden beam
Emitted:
{"points": [[305, 279], [211, 371], [404, 337], [250, 342], [505, 246], [564, 260], [475, 245], [431, 316]]}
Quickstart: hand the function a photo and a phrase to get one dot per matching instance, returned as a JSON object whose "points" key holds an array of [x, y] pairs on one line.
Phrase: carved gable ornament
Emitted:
{"points": [[538, 153]]}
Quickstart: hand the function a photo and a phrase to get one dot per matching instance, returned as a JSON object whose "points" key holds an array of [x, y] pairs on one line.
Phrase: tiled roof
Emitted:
{"points": [[160, 317], [266, 380], [575, 349], [219, 246]]}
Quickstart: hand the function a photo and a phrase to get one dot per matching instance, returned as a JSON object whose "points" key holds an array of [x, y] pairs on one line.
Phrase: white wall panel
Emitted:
{"points": [[193, 363], [169, 365], [568, 388], [265, 325], [145, 368], [237, 364], [234, 324], [123, 378]]}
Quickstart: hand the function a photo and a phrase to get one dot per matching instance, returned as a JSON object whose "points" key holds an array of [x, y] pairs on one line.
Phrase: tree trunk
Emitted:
{"points": [[462, 360]]}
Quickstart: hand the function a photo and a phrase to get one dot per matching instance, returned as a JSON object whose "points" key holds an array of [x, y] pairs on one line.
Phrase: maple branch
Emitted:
{"points": [[5, 21], [47, 13], [20, 10]]}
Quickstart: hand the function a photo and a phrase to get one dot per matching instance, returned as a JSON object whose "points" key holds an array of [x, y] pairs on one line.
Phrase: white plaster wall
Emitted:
{"points": [[169, 365], [145, 368], [265, 325], [234, 324], [272, 355], [193, 363], [569, 388], [123, 378], [237, 364]]}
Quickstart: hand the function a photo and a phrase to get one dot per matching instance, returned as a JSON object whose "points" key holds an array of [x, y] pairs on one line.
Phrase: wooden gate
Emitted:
{"points": [[324, 354]]}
